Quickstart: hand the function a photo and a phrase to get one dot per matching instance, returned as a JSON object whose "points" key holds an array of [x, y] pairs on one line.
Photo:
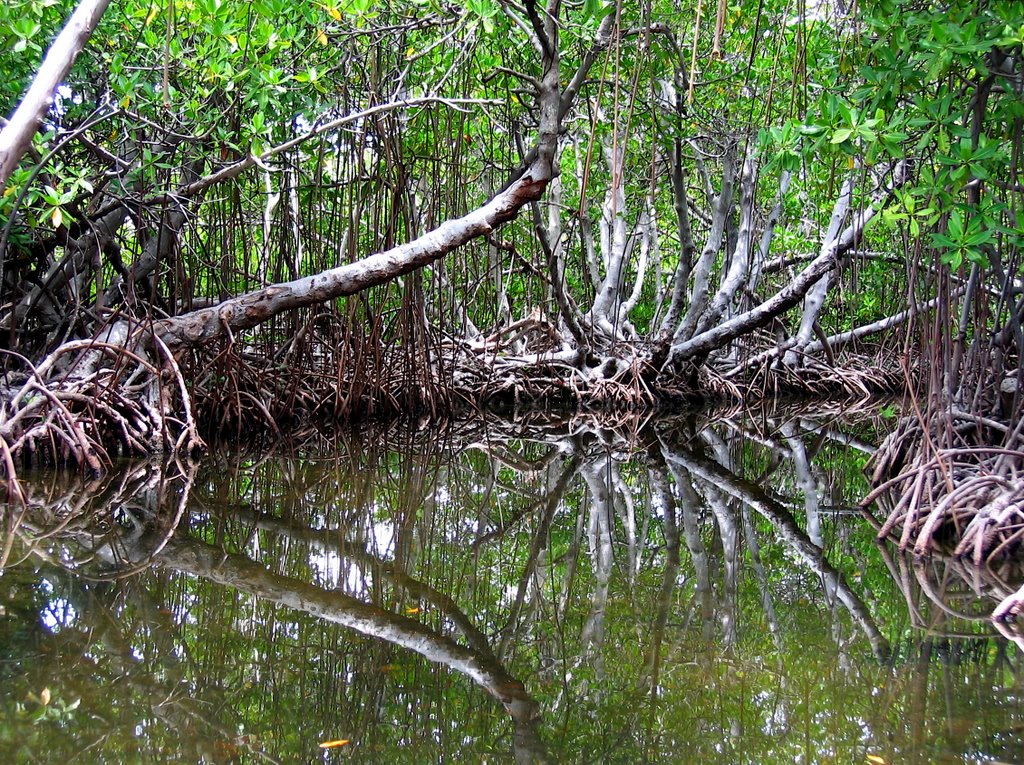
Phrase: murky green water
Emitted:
{"points": [[676, 593]]}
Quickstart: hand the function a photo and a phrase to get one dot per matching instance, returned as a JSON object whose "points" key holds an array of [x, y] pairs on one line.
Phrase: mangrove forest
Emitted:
{"points": [[700, 243]]}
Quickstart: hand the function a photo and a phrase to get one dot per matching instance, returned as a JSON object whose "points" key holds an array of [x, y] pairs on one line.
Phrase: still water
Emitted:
{"points": [[696, 590]]}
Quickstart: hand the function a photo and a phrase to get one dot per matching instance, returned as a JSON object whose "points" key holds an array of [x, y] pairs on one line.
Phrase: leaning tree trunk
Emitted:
{"points": [[16, 136], [123, 391]]}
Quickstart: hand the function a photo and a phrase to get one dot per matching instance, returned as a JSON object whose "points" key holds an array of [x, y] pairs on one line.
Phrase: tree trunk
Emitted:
{"points": [[16, 136]]}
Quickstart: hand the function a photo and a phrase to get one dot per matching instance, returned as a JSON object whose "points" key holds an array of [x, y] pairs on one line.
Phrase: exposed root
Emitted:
{"points": [[964, 500], [91, 401]]}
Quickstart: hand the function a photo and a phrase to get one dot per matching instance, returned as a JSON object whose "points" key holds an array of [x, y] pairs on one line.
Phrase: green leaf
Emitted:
{"points": [[841, 136], [955, 226]]}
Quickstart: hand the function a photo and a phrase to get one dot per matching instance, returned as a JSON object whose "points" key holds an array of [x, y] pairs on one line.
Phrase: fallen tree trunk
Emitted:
{"points": [[124, 391]]}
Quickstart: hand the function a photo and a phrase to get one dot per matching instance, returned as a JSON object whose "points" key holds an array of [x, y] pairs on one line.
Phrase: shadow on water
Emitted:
{"points": [[686, 590]]}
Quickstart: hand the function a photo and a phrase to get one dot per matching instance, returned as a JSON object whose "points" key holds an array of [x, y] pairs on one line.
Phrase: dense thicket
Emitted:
{"points": [[240, 214]]}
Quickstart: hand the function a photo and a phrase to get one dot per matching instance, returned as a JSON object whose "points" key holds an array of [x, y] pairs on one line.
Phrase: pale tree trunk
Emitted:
{"points": [[703, 343], [16, 136], [740, 262], [615, 297], [616, 246], [767, 236], [814, 301], [249, 310], [647, 230], [556, 266], [721, 207], [687, 248]]}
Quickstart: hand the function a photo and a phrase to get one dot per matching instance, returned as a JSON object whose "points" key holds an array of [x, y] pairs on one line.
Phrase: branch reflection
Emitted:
{"points": [[561, 568]]}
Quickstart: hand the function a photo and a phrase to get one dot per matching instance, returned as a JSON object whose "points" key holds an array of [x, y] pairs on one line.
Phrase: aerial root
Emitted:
{"points": [[91, 401], [965, 500], [85, 404]]}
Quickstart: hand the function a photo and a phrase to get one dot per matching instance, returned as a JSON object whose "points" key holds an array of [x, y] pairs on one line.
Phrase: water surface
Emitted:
{"points": [[693, 590]]}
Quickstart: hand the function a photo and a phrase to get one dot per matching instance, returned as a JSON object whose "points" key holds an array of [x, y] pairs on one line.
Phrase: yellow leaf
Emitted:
{"points": [[152, 14], [57, 217], [321, 38], [332, 744], [126, 102], [335, 13], [412, 611], [388, 668], [233, 40], [876, 759], [44, 695]]}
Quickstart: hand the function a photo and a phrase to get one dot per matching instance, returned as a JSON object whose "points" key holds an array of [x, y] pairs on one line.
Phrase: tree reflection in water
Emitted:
{"points": [[682, 591]]}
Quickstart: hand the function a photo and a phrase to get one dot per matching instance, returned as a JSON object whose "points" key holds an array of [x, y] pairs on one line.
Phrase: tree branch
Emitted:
{"points": [[16, 136], [789, 295]]}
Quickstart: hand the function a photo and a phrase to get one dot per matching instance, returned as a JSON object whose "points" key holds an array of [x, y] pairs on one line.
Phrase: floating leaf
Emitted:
{"points": [[333, 744]]}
